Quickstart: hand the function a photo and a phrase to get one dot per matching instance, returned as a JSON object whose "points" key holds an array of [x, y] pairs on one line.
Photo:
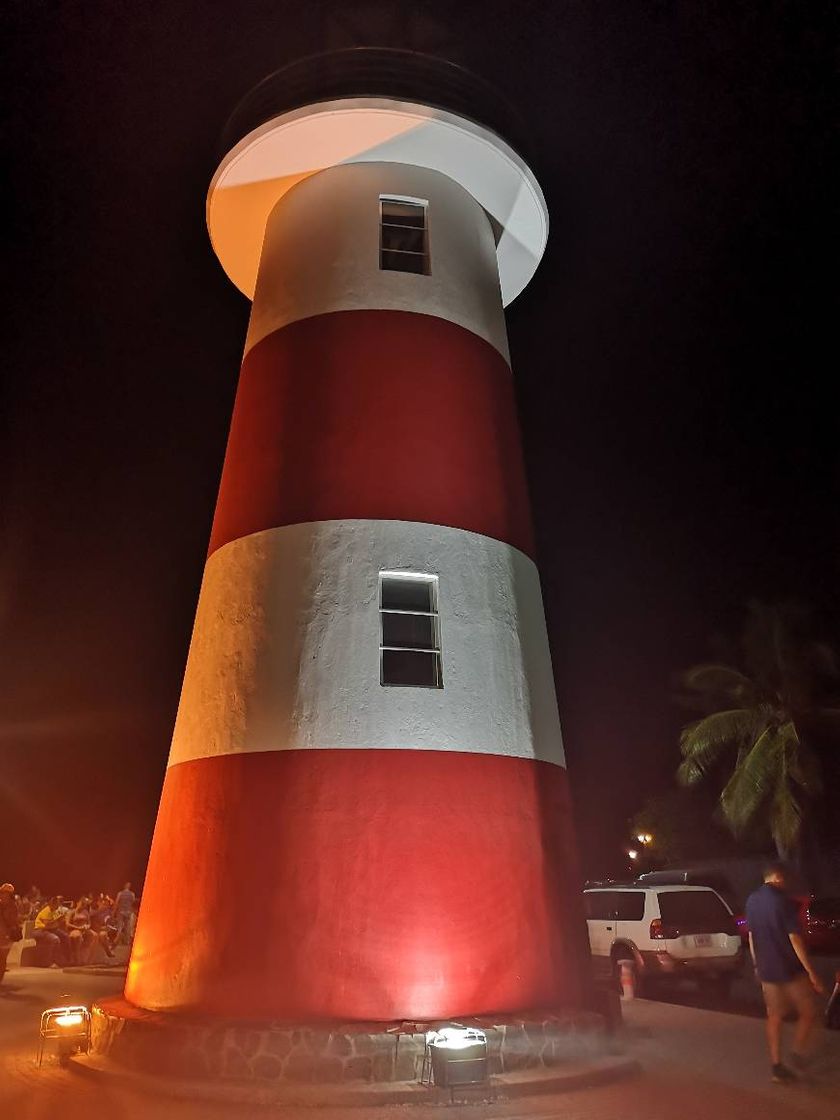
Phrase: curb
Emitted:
{"points": [[526, 1083], [98, 969]]}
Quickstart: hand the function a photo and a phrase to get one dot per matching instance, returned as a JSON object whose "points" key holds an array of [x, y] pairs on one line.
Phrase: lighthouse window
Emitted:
{"points": [[409, 646], [403, 239]]}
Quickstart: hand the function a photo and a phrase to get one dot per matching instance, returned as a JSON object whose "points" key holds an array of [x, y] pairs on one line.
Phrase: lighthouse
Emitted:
{"points": [[366, 814]]}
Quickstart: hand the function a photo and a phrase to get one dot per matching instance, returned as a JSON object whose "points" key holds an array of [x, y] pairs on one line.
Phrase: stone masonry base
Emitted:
{"points": [[338, 1053]]}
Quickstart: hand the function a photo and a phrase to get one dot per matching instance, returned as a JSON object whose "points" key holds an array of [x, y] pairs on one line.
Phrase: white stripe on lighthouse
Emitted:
{"points": [[321, 254], [285, 650]]}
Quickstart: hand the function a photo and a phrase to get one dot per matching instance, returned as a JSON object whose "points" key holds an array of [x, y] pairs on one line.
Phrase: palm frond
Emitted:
{"points": [[753, 781], [703, 742]]}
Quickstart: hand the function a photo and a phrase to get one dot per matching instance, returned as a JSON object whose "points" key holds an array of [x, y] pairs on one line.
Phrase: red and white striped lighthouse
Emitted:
{"points": [[365, 813]]}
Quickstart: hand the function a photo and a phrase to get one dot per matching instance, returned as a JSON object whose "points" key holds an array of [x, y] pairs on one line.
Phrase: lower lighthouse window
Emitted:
{"points": [[409, 643]]}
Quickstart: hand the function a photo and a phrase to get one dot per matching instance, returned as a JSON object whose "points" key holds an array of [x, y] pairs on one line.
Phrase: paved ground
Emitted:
{"points": [[697, 1065]]}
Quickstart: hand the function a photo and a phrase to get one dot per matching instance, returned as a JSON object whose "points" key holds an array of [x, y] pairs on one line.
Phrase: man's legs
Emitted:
{"points": [[105, 942], [775, 1001], [74, 945], [802, 996], [4, 952], [63, 948], [774, 1036], [124, 928], [88, 942], [47, 943]]}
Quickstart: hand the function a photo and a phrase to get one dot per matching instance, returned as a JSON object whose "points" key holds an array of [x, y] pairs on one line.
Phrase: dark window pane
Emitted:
{"points": [[403, 213], [594, 906], [695, 912], [409, 667], [404, 238], [393, 261], [601, 905], [630, 905], [406, 594], [417, 631]]}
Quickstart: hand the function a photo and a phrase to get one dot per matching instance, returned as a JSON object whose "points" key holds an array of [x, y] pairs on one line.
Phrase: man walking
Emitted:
{"points": [[787, 977], [124, 914]]}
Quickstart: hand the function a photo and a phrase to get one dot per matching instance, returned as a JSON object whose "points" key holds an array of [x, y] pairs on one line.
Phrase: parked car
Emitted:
{"points": [[697, 877], [665, 931], [822, 925]]}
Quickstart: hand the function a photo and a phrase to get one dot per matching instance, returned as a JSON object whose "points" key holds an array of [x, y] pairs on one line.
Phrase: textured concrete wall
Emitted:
{"points": [[321, 253], [285, 653]]}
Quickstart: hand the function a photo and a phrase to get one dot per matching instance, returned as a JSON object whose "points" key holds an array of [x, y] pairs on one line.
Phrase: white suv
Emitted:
{"points": [[664, 931]]}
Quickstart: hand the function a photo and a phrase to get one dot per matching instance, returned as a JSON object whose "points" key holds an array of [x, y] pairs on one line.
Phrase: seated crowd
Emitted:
{"points": [[66, 932]]}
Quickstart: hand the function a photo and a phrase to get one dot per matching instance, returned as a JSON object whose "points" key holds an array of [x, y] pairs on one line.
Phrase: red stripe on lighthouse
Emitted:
{"points": [[374, 414], [359, 884]]}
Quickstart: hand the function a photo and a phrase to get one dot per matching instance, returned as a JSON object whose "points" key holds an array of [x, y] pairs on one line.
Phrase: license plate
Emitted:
{"points": [[703, 940]]}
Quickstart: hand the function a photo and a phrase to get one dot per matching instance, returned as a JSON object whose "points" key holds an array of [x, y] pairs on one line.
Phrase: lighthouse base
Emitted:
{"points": [[327, 1053]]}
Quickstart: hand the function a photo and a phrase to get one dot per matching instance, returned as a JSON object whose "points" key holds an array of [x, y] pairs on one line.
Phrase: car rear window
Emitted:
{"points": [[695, 912], [630, 905]]}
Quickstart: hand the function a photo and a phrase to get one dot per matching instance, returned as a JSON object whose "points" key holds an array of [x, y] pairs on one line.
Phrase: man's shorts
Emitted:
{"points": [[791, 995]]}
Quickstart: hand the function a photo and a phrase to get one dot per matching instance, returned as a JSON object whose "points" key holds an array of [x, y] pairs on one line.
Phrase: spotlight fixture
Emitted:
{"points": [[458, 1056], [69, 1027]]}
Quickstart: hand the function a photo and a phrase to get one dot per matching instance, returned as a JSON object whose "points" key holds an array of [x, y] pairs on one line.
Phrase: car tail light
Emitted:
{"points": [[661, 932]]}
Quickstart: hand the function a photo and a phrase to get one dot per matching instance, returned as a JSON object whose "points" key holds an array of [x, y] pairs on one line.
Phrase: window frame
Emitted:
{"points": [[433, 583], [411, 255]]}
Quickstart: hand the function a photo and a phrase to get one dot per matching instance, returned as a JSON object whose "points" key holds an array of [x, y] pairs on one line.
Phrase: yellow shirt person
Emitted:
{"points": [[49, 917]]}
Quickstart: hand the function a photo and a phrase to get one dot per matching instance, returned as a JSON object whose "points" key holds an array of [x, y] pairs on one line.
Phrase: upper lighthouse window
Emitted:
{"points": [[410, 634], [403, 240]]}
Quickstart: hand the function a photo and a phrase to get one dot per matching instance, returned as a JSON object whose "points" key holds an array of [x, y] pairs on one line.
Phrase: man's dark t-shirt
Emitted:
{"points": [[772, 917]]}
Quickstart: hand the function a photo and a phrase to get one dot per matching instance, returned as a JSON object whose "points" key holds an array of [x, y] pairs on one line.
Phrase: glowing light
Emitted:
{"points": [[69, 1026], [455, 1038], [633, 854], [645, 838]]}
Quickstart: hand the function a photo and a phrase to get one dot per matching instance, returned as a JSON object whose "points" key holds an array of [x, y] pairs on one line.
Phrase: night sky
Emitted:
{"points": [[673, 361]]}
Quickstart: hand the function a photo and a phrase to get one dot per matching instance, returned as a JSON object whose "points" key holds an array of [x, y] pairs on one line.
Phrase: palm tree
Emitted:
{"points": [[762, 726]]}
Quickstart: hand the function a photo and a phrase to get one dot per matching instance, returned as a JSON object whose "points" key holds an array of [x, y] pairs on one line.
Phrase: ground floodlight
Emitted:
{"points": [[458, 1056], [69, 1027]]}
